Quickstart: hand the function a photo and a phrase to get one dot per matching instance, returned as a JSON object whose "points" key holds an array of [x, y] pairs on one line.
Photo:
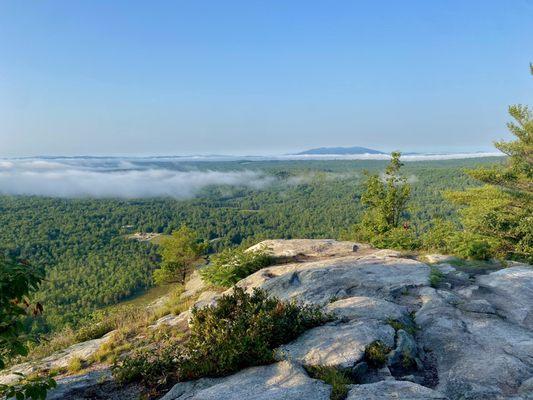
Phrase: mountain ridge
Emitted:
{"points": [[339, 150]]}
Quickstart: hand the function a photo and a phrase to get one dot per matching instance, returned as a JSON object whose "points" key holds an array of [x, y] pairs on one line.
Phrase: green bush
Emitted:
{"points": [[232, 265], [241, 330], [396, 238], [474, 247]]}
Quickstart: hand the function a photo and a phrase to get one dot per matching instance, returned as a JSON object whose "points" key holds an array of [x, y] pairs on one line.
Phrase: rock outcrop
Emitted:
{"points": [[470, 337], [57, 360]]}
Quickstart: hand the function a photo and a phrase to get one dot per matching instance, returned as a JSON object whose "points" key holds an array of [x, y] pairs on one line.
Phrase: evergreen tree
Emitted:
{"points": [[179, 253], [385, 198], [501, 212]]}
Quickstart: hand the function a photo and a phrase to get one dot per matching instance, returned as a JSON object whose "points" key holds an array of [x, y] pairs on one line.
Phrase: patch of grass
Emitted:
{"points": [[339, 380], [333, 299], [396, 325], [376, 354], [76, 364]]}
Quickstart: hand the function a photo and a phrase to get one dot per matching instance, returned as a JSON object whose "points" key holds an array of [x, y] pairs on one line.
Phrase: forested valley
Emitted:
{"points": [[91, 262]]}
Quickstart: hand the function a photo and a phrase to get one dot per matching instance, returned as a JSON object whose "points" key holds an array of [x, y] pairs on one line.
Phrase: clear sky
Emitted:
{"points": [[258, 77]]}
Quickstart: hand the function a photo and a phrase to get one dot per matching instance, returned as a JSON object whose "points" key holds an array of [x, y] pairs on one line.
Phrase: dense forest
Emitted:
{"points": [[90, 261]]}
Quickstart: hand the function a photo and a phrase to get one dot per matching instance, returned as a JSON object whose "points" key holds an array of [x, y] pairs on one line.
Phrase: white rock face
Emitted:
{"points": [[473, 341], [478, 354], [280, 381], [320, 281], [307, 248], [362, 307], [400, 390], [194, 285], [510, 290]]}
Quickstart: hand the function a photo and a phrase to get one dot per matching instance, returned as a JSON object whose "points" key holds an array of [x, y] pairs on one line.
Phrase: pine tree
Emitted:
{"points": [[501, 212]]}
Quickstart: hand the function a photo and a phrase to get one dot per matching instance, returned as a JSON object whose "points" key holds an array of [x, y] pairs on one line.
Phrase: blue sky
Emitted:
{"points": [[259, 77]]}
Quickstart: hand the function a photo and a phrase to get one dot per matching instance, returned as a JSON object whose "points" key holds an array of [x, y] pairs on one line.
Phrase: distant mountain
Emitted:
{"points": [[340, 150]]}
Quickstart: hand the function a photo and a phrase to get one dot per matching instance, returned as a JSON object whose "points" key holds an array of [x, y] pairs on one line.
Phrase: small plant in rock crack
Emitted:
{"points": [[435, 277], [338, 379], [376, 354], [397, 325], [408, 362]]}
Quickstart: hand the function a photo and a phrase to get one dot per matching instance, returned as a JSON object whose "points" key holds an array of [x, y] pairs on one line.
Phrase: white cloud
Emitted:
{"points": [[53, 178]]}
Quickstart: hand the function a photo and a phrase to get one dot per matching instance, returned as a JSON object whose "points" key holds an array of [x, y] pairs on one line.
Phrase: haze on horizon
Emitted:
{"points": [[252, 77]]}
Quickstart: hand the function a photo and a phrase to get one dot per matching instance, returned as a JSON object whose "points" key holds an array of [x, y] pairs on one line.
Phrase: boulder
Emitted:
{"points": [[406, 351], [439, 258], [181, 320], [207, 298], [281, 381], [390, 389], [194, 285], [341, 345]]}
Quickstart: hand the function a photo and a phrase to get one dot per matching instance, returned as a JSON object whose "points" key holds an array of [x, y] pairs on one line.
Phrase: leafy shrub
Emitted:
{"points": [[241, 330], [34, 388], [376, 354], [232, 265]]}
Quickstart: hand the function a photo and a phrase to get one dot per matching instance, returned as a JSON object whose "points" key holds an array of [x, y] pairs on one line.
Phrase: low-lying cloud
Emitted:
{"points": [[73, 180]]}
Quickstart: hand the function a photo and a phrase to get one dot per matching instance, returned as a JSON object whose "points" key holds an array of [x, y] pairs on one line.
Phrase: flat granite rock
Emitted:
{"points": [[393, 390], [510, 291], [307, 248], [341, 345], [280, 381], [320, 281], [362, 307], [477, 355]]}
